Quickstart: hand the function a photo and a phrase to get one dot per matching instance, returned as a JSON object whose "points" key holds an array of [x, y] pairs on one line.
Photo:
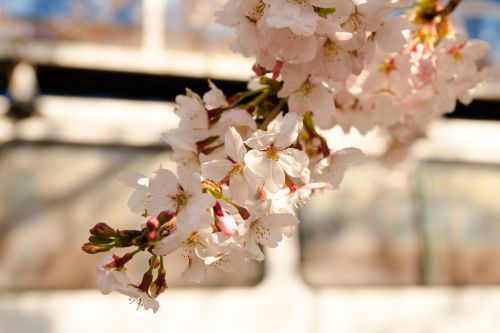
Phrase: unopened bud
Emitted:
{"points": [[166, 216], [262, 193], [224, 220], [127, 237], [159, 285], [244, 213], [153, 223], [91, 248], [100, 240], [102, 230], [147, 278], [277, 69], [258, 69], [121, 261], [152, 235]]}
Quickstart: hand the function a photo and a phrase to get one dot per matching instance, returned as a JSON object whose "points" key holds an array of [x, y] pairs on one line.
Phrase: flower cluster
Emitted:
{"points": [[402, 92], [244, 162], [314, 44]]}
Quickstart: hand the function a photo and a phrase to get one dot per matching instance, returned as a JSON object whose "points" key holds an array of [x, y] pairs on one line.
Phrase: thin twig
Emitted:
{"points": [[449, 8], [271, 115], [446, 11]]}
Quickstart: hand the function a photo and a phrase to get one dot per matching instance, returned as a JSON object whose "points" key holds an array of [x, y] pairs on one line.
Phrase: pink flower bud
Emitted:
{"points": [[153, 223], [95, 248], [166, 216], [159, 285], [152, 235], [277, 69], [259, 70], [225, 221], [102, 230]]}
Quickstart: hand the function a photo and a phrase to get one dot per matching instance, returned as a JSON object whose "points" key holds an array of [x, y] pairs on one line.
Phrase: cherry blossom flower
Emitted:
{"points": [[194, 248], [332, 169], [193, 125], [308, 94], [109, 277], [243, 16], [214, 98], [184, 196], [296, 195], [142, 298], [271, 158], [284, 44], [298, 16], [457, 57], [241, 120], [264, 228], [232, 169], [140, 197], [225, 221]]}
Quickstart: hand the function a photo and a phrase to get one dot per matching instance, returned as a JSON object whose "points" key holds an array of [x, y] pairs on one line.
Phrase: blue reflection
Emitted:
{"points": [[481, 19], [122, 12], [179, 11]]}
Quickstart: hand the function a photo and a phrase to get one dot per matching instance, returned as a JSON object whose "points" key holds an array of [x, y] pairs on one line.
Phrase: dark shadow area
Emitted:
{"points": [[68, 81]]}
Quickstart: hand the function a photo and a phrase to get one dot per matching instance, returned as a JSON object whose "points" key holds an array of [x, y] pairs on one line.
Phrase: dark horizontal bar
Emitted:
{"points": [[98, 83], [479, 109], [68, 81]]}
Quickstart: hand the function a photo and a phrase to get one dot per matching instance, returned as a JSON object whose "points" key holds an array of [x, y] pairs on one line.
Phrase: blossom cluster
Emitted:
{"points": [[245, 162]]}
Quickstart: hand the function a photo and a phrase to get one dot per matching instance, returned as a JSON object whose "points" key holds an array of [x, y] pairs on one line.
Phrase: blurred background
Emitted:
{"points": [[86, 88]]}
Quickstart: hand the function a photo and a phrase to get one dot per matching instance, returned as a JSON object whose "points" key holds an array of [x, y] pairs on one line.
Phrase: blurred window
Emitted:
{"points": [[51, 194], [481, 19], [362, 234], [102, 21], [459, 208], [384, 228], [191, 25]]}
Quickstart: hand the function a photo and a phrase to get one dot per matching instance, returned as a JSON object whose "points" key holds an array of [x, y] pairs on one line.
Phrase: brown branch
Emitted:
{"points": [[430, 15], [449, 8]]}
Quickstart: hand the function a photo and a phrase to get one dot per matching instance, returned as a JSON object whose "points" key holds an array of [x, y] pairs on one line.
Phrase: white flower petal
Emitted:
{"points": [[163, 183], [349, 156], [260, 139], [133, 179], [181, 139], [169, 244], [192, 112], [299, 17], [253, 251], [216, 170], [157, 205], [196, 269], [293, 161], [258, 163], [238, 187], [195, 214], [214, 98], [287, 130], [137, 201], [276, 178], [252, 179], [280, 220], [234, 145], [191, 183], [145, 300], [476, 49]]}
